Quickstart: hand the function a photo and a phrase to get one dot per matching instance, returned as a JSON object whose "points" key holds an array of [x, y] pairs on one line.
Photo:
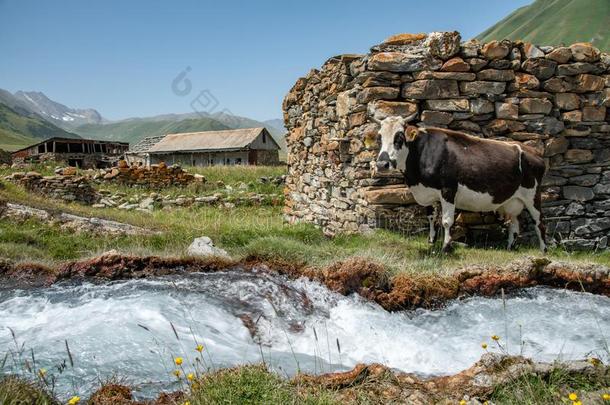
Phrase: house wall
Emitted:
{"points": [[553, 99], [202, 158]]}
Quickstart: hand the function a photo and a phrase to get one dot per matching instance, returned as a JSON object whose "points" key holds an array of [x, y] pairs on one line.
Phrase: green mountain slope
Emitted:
{"points": [[556, 22], [135, 129], [18, 129]]}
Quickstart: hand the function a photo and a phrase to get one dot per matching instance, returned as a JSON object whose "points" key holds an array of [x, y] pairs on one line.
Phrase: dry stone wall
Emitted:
{"points": [[66, 188], [156, 176], [554, 99]]}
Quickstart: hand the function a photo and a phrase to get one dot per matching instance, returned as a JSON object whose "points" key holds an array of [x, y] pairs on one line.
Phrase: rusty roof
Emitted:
{"points": [[230, 139]]}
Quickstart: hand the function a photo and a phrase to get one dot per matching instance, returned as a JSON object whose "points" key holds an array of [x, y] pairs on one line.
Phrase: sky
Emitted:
{"points": [[143, 58]]}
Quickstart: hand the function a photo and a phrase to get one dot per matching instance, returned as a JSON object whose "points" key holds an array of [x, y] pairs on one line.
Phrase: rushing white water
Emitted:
{"points": [[123, 329]]}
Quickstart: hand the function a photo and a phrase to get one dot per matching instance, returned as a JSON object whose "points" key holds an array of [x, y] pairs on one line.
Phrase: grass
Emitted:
{"points": [[257, 230], [254, 385], [556, 22], [17, 391], [552, 389]]}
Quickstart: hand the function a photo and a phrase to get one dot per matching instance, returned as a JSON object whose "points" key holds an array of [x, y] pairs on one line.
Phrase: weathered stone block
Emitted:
{"points": [[555, 146], [585, 82], [382, 109], [399, 195], [578, 156], [541, 68], [578, 193], [535, 106], [593, 113], [496, 75], [458, 104], [560, 55], [567, 101], [526, 81], [496, 50], [584, 52], [402, 62], [430, 89], [429, 117], [377, 93], [481, 87], [508, 111], [455, 65]]}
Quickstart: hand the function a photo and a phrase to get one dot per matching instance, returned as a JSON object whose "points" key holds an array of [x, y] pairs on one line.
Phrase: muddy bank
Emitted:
{"points": [[380, 384], [370, 280]]}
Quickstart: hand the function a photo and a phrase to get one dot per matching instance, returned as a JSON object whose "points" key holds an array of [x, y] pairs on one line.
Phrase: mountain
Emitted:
{"points": [[19, 128], [89, 123], [56, 113], [133, 130], [556, 22]]}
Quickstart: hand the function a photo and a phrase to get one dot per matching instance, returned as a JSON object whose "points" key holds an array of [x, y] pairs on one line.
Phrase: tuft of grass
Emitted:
{"points": [[16, 391], [548, 390], [254, 384]]}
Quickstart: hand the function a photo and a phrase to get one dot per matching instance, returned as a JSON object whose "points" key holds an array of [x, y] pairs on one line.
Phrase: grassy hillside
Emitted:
{"points": [[134, 130], [18, 130], [556, 22]]}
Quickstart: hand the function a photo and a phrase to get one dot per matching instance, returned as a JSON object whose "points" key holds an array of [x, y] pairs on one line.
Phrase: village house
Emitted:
{"points": [[83, 153], [250, 146]]}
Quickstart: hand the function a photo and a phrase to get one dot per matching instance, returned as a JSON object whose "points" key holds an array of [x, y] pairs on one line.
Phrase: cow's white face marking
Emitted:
{"points": [[393, 144]]}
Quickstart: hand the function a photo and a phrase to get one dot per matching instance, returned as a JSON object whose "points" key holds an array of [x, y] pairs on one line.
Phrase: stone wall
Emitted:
{"points": [[156, 176], [554, 99], [65, 188]]}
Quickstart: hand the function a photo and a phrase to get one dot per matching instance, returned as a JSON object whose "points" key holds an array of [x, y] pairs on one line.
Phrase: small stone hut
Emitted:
{"points": [[554, 99], [250, 146]]}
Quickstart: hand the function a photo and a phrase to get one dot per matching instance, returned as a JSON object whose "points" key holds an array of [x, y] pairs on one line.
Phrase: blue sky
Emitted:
{"points": [[121, 57]]}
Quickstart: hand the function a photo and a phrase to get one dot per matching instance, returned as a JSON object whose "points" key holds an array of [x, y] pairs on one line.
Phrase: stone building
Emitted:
{"points": [[251, 146], [84, 153], [554, 99]]}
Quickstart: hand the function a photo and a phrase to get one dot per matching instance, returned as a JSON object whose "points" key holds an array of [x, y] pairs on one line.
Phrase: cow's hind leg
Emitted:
{"points": [[513, 230], [535, 209], [448, 209], [511, 210], [432, 223]]}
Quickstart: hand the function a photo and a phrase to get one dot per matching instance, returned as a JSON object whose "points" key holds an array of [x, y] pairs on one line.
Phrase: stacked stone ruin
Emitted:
{"points": [[67, 188], [156, 176], [554, 99]]}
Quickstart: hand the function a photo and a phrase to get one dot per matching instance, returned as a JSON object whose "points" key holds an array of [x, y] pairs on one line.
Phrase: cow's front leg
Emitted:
{"points": [[432, 223], [448, 208]]}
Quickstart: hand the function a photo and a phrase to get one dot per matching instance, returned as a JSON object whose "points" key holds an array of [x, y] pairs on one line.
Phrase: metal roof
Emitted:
{"points": [[231, 139], [146, 143]]}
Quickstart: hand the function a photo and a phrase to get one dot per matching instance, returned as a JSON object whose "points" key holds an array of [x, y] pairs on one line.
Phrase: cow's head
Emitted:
{"points": [[395, 136]]}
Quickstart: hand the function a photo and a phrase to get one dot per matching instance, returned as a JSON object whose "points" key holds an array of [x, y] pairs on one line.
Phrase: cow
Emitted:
{"points": [[464, 172]]}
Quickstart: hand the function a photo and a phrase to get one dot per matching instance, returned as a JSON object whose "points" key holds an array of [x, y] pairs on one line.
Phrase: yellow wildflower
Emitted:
{"points": [[199, 348], [190, 376], [495, 337], [606, 397], [42, 372], [576, 403], [484, 346], [178, 361], [177, 373], [74, 400], [594, 361], [573, 396], [186, 403], [463, 402]]}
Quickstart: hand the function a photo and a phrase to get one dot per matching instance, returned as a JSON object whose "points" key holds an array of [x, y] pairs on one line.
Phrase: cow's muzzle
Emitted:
{"points": [[384, 162]]}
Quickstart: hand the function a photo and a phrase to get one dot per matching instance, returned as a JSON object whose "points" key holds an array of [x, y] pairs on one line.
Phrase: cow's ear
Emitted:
{"points": [[411, 133]]}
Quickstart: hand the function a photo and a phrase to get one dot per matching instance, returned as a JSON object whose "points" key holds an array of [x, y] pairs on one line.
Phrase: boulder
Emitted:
{"points": [[496, 49], [584, 52], [203, 246]]}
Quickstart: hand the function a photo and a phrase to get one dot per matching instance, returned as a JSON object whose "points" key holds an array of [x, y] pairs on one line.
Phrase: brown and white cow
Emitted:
{"points": [[464, 172]]}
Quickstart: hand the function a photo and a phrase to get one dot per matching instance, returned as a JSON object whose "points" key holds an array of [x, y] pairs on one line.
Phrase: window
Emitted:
{"points": [[264, 137], [237, 161]]}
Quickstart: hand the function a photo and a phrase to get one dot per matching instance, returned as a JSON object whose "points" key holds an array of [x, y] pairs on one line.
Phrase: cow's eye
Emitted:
{"points": [[399, 139]]}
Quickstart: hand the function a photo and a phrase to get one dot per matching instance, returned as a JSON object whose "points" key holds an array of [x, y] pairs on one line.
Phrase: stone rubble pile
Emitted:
{"points": [[147, 202], [68, 188], [70, 222], [155, 176], [554, 99]]}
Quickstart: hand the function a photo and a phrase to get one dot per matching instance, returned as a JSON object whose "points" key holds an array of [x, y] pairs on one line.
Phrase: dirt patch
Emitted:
{"points": [[356, 275]]}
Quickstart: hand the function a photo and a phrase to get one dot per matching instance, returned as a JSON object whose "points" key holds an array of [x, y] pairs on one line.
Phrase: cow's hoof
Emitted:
{"points": [[447, 249]]}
